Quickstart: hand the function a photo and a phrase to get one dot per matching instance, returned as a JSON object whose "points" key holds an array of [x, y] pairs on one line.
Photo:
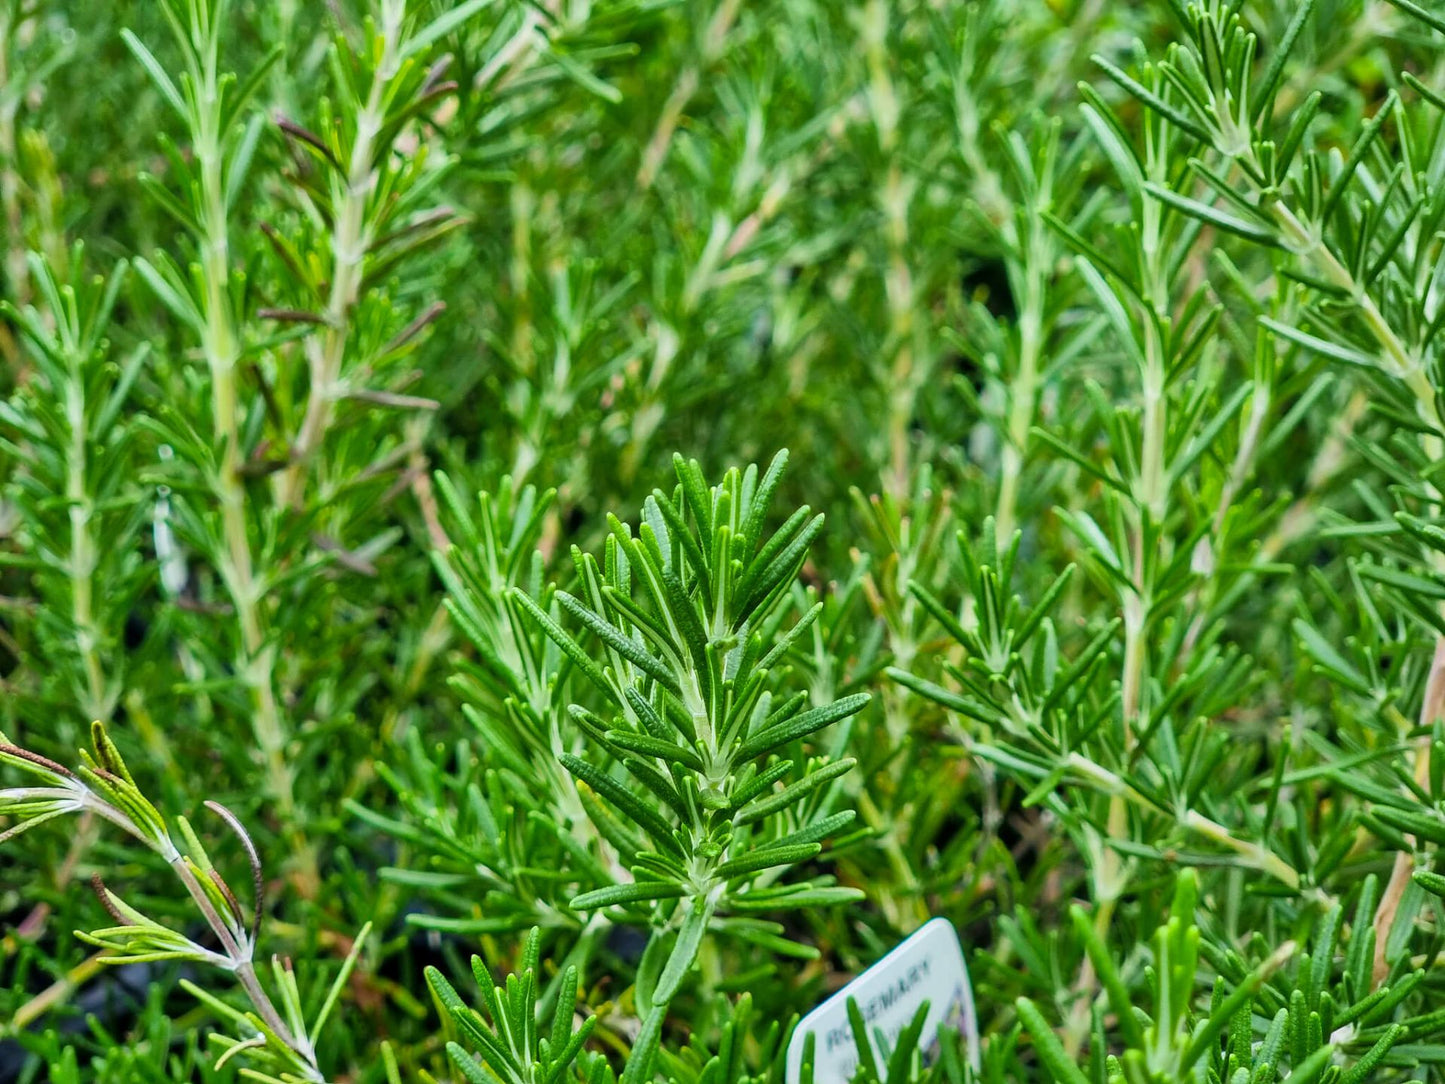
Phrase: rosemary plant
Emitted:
{"points": [[375, 383]]}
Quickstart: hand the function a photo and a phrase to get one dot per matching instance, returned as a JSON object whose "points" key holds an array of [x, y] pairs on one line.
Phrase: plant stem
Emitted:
{"points": [[657, 146], [1023, 396], [904, 911], [350, 240], [222, 349], [907, 370], [96, 705], [688, 81], [1432, 708], [1033, 255], [1329, 461], [1151, 499], [17, 273], [57, 993], [1147, 511], [240, 954], [1257, 857], [1309, 245]]}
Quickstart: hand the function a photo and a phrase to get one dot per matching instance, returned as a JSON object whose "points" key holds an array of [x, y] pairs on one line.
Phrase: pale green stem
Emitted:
{"points": [[1400, 362], [905, 373], [82, 551], [1036, 253], [1023, 396], [1239, 473], [1255, 856], [57, 993], [17, 272], [326, 351], [1151, 497], [221, 346], [688, 81]]}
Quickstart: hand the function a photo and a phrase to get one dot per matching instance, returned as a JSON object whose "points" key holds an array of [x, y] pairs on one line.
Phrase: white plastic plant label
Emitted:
{"points": [[928, 966]]}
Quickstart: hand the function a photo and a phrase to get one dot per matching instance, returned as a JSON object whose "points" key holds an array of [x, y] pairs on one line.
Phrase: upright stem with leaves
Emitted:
{"points": [[223, 142], [362, 211]]}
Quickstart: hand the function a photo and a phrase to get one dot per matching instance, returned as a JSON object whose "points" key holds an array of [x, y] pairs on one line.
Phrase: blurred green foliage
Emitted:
{"points": [[1105, 336]]}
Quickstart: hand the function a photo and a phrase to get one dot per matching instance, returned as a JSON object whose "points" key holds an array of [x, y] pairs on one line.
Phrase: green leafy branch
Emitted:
{"points": [[277, 1042], [687, 614]]}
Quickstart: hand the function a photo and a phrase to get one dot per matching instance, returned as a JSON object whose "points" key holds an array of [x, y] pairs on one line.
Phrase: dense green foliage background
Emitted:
{"points": [[1106, 275]]}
